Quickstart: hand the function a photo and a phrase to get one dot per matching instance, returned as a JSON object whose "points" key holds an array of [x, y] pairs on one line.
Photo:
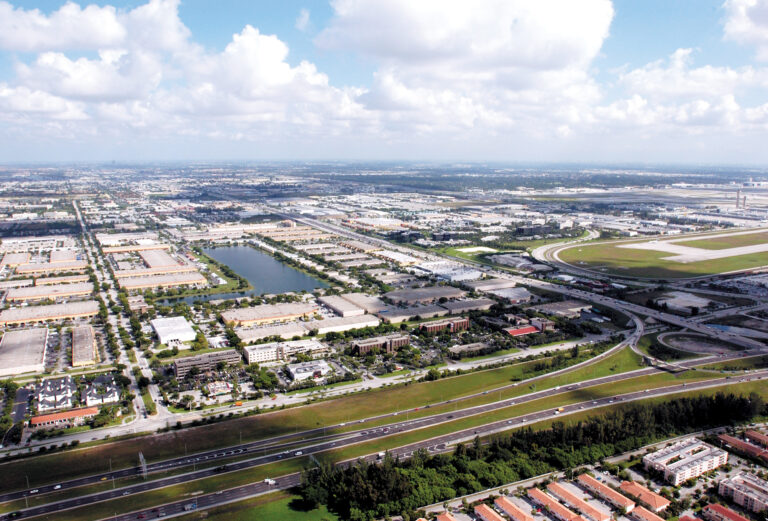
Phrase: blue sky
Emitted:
{"points": [[505, 80]]}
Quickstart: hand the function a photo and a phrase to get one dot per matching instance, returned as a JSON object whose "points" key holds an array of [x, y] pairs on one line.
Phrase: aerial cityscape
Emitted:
{"points": [[379, 279]]}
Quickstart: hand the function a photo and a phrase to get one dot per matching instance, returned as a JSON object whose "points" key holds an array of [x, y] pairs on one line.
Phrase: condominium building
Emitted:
{"points": [[578, 504], [514, 512], [648, 498], [606, 493], [553, 506], [685, 460], [715, 512], [747, 491], [486, 513]]}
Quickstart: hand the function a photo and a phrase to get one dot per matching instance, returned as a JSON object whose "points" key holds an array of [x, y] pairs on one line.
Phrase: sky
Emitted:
{"points": [[599, 81]]}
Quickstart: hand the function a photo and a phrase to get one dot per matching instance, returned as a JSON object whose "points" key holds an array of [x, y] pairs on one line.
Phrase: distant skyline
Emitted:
{"points": [[658, 81]]}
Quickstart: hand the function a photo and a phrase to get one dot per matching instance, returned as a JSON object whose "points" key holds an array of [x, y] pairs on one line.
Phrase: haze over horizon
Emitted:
{"points": [[499, 81]]}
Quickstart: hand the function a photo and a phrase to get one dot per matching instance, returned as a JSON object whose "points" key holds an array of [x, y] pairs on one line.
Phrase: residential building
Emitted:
{"points": [[606, 493], [514, 512], [205, 362], [648, 498], [575, 502], [685, 460], [102, 391], [715, 512], [746, 490], [557, 510], [757, 437], [643, 514], [486, 513], [57, 393], [744, 447]]}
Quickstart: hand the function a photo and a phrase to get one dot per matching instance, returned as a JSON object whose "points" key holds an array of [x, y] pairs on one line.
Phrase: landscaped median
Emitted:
{"points": [[70, 464], [233, 479]]}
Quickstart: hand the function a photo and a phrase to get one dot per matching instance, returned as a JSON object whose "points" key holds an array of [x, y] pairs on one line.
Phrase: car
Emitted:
{"points": [[57, 487], [34, 491], [126, 493]]}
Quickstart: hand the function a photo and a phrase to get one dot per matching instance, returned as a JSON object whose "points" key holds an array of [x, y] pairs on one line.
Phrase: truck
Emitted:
{"points": [[270, 482]]}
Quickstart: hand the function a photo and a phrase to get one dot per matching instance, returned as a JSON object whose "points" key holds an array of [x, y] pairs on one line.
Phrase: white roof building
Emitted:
{"points": [[173, 329]]}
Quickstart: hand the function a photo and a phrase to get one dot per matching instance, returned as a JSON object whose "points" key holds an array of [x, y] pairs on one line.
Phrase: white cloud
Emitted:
{"points": [[302, 21], [747, 23]]}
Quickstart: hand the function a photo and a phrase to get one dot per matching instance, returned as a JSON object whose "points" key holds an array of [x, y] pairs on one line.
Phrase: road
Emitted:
{"points": [[364, 435]]}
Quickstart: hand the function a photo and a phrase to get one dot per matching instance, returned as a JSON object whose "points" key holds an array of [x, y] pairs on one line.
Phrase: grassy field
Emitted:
{"points": [[734, 241], [56, 467], [608, 258], [752, 362], [277, 506]]}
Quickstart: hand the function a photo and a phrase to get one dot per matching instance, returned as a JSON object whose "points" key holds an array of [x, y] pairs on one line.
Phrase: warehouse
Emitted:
{"points": [[14, 259], [341, 324], [396, 315], [68, 279], [164, 281], [173, 330], [512, 295], [284, 331], [49, 267], [424, 295], [267, 313], [84, 348], [489, 284], [135, 247], [53, 292], [341, 306], [566, 309], [371, 304], [63, 256], [23, 351], [32, 314], [457, 307], [163, 270], [157, 258]]}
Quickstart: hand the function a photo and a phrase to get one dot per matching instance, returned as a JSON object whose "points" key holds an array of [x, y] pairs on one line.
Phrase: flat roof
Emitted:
{"points": [[172, 327], [67, 279], [50, 291], [340, 303], [428, 293], [269, 311], [169, 279], [49, 312], [52, 266], [63, 256], [14, 259], [83, 345], [23, 350], [157, 258]]}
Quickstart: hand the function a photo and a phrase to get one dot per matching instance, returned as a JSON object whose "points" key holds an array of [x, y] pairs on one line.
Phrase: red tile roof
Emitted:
{"points": [[487, 513], [522, 330], [66, 415], [646, 496], [512, 510], [645, 515], [724, 512], [606, 492]]}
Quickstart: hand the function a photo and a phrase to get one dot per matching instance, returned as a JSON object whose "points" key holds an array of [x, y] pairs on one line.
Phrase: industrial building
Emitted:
{"points": [[424, 295], [205, 362], [566, 308], [84, 348], [23, 351], [746, 490], [268, 313], [685, 460], [457, 307], [341, 306], [385, 344], [32, 314], [371, 304], [285, 331], [191, 278], [53, 292], [157, 258], [50, 267], [162, 270], [489, 284], [341, 324], [306, 370], [396, 315], [14, 259], [512, 295], [66, 279], [173, 330]]}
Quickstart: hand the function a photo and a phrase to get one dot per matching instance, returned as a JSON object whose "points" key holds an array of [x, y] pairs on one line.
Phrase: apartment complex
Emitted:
{"points": [[685, 460], [648, 498], [606, 493], [747, 491]]}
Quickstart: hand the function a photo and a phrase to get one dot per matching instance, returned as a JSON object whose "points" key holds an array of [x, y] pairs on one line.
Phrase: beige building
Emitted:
{"points": [[84, 347]]}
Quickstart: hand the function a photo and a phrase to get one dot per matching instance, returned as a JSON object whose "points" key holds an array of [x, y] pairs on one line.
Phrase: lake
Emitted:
{"points": [[265, 273]]}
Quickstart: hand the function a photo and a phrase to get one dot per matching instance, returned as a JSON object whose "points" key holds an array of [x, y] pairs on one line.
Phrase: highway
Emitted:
{"points": [[280, 452]]}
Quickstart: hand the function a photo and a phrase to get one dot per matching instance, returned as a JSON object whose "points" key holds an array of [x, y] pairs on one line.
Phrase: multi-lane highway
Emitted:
{"points": [[276, 451]]}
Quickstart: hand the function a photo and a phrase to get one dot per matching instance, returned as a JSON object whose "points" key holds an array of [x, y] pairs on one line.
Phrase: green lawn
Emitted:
{"points": [[59, 466], [734, 241], [278, 506], [752, 362], [608, 258], [237, 478]]}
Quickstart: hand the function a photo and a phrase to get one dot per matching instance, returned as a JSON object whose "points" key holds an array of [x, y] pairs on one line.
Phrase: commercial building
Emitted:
{"points": [[157, 258], [424, 295], [50, 267], [371, 304], [641, 494], [63, 419], [275, 351], [63, 256], [512, 295], [67, 279], [489, 284], [521, 331], [341, 306], [543, 324], [606, 493], [23, 351], [642, 514], [284, 331], [566, 309], [307, 370], [137, 304], [746, 490], [715, 512], [514, 512], [341, 324], [32, 314], [173, 330], [49, 292], [55, 394], [554, 508], [205, 362], [14, 259], [268, 313], [486, 513], [685, 460], [84, 348], [102, 391], [452, 324], [396, 315], [456, 307], [192, 278], [578, 504], [385, 344]]}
